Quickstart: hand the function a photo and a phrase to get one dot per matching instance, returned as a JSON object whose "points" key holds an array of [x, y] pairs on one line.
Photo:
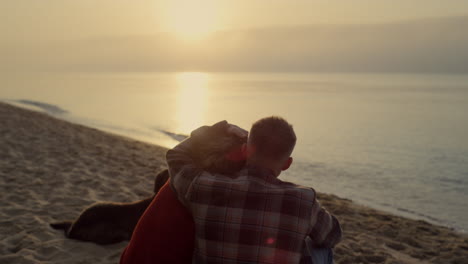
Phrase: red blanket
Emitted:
{"points": [[164, 234]]}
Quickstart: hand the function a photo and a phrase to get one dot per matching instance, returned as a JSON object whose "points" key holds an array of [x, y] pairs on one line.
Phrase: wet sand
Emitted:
{"points": [[50, 170]]}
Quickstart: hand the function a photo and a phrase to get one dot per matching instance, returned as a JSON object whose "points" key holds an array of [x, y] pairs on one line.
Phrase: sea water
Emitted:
{"points": [[390, 141]]}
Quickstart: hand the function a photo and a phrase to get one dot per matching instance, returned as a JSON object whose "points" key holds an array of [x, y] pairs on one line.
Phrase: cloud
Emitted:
{"points": [[426, 45]]}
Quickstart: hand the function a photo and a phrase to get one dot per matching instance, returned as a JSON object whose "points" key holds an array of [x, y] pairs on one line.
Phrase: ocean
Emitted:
{"points": [[395, 142]]}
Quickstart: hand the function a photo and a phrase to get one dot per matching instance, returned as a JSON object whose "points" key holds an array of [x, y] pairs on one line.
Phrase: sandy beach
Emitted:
{"points": [[50, 170]]}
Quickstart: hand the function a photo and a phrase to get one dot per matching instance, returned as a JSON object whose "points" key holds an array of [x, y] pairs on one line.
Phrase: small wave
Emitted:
{"points": [[178, 137], [48, 108], [429, 218], [457, 182]]}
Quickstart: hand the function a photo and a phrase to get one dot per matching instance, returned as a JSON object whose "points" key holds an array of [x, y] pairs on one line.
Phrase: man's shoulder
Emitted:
{"points": [[304, 190], [242, 178]]}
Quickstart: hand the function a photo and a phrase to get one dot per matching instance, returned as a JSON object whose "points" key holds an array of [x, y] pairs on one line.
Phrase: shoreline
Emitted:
{"points": [[51, 169], [172, 139]]}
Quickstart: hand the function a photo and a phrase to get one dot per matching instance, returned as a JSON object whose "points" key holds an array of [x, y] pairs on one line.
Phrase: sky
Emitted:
{"points": [[108, 34]]}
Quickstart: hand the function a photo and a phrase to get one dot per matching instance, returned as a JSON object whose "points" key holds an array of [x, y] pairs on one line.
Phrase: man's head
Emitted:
{"points": [[270, 144]]}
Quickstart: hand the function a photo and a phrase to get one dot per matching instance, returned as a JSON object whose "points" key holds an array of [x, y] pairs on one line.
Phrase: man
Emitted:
{"points": [[252, 216]]}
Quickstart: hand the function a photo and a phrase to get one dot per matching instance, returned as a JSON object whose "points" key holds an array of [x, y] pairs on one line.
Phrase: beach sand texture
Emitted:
{"points": [[50, 170]]}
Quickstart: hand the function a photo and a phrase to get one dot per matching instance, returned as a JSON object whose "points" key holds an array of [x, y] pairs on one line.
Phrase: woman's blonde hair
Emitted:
{"points": [[218, 152]]}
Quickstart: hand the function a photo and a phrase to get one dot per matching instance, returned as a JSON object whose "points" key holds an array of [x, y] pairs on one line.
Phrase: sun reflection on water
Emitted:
{"points": [[191, 100]]}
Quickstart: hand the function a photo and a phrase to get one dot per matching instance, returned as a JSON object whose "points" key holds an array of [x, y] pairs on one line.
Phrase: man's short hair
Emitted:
{"points": [[272, 138]]}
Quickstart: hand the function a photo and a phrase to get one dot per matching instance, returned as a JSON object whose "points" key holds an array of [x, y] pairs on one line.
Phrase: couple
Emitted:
{"points": [[249, 216]]}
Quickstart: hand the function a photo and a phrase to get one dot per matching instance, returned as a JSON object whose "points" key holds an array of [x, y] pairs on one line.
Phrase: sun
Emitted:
{"points": [[192, 20]]}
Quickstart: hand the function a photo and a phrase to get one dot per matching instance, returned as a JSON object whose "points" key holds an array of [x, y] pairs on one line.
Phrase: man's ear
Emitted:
{"points": [[287, 164]]}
